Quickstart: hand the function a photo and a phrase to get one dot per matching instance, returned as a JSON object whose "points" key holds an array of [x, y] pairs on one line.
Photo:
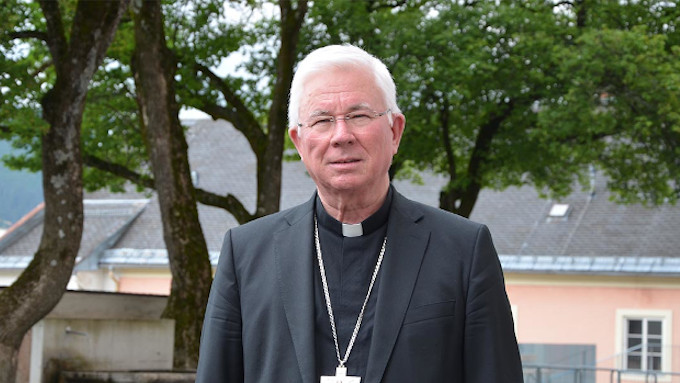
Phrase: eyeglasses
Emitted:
{"points": [[356, 119]]}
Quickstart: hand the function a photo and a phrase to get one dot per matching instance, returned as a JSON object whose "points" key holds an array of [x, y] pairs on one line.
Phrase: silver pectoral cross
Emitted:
{"points": [[340, 377]]}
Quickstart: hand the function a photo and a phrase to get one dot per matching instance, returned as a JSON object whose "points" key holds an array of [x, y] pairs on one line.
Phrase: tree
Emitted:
{"points": [[119, 142], [75, 59], [260, 113], [200, 39], [154, 68], [502, 93], [166, 145]]}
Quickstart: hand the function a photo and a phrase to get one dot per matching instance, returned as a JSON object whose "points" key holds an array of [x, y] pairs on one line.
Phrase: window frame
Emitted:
{"points": [[623, 316]]}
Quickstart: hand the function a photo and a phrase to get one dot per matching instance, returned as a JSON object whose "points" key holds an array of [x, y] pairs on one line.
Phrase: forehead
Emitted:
{"points": [[339, 90]]}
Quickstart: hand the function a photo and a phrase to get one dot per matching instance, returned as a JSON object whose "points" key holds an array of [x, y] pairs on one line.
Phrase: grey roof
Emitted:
{"points": [[595, 226], [225, 164], [658, 266], [597, 236], [107, 305], [104, 221], [150, 258], [19, 239]]}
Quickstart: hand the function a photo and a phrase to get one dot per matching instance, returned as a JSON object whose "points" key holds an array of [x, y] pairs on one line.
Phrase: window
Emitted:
{"points": [[644, 339], [559, 212]]}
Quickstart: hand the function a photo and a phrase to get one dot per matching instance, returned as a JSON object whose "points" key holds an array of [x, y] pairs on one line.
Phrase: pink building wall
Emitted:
{"points": [[145, 285], [560, 312]]}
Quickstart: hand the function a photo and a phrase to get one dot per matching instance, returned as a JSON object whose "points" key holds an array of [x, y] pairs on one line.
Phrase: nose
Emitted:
{"points": [[341, 134]]}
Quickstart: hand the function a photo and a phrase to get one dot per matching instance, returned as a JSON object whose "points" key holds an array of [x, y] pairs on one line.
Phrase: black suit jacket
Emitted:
{"points": [[442, 314]]}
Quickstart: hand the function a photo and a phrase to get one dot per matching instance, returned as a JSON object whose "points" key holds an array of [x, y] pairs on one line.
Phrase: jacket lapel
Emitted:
{"points": [[295, 270], [406, 244]]}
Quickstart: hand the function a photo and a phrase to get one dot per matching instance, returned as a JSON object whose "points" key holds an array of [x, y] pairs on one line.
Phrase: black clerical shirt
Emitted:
{"points": [[349, 263]]}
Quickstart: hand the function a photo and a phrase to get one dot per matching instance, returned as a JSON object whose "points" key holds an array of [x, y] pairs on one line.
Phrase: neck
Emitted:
{"points": [[349, 207]]}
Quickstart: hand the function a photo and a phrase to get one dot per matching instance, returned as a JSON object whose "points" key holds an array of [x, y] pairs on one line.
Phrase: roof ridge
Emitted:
{"points": [[14, 231], [25, 218]]}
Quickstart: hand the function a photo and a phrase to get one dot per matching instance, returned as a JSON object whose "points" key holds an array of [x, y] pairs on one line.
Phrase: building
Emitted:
{"points": [[592, 284]]}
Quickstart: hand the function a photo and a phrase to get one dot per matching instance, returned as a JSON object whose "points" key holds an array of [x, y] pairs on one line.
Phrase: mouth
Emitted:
{"points": [[345, 161]]}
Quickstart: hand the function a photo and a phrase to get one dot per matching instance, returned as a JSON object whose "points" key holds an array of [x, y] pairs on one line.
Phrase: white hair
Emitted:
{"points": [[339, 56]]}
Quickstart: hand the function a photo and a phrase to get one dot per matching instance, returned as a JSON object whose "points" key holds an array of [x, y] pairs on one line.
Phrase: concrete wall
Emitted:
{"points": [[127, 377], [105, 345], [90, 331], [7, 277]]}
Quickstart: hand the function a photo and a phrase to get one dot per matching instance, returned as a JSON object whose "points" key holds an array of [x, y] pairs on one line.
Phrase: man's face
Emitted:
{"points": [[346, 159]]}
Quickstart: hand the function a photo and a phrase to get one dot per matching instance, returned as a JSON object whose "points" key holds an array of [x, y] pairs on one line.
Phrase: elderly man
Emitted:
{"points": [[359, 284]]}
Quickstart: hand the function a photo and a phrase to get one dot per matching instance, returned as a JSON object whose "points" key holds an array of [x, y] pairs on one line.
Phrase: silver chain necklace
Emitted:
{"points": [[324, 282]]}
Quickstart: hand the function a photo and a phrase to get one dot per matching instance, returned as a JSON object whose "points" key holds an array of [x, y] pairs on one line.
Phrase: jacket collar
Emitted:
{"points": [[295, 272], [406, 244]]}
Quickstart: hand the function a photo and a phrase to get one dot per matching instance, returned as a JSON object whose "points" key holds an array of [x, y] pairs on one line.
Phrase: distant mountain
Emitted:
{"points": [[20, 191]]}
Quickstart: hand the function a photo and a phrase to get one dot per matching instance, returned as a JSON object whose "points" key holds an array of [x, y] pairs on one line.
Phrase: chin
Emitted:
{"points": [[354, 186]]}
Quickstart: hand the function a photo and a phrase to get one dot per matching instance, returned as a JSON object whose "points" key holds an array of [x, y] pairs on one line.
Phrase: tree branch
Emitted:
{"points": [[228, 202], [580, 139], [560, 3], [42, 68], [485, 136], [373, 6], [28, 35], [56, 40], [291, 23], [446, 138], [483, 142], [238, 114], [118, 170], [301, 11]]}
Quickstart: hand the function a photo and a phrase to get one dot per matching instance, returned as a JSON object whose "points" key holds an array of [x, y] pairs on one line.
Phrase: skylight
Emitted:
{"points": [[559, 210]]}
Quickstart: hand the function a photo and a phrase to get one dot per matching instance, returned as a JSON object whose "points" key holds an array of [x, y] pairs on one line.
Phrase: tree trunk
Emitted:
{"points": [[269, 163], [460, 195], [154, 68], [581, 13], [459, 201], [42, 284], [266, 142]]}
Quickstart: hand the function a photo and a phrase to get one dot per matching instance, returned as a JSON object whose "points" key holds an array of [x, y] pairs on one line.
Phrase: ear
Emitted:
{"points": [[398, 124], [294, 134]]}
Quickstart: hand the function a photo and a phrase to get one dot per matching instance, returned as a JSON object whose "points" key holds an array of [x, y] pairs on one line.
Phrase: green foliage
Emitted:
{"points": [[495, 93], [26, 76], [111, 126], [512, 93], [219, 35], [630, 96]]}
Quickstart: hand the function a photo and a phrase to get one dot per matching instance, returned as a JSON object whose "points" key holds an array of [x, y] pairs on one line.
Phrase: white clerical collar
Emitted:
{"points": [[352, 230]]}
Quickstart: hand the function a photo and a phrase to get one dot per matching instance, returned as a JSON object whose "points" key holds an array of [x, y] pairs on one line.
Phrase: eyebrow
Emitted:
{"points": [[353, 108]]}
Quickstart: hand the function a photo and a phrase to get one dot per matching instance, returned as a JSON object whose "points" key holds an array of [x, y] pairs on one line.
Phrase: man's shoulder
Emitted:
{"points": [[433, 215], [442, 224], [272, 222], [446, 228]]}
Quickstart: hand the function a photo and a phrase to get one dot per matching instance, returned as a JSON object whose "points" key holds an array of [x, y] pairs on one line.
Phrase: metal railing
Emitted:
{"points": [[587, 374]]}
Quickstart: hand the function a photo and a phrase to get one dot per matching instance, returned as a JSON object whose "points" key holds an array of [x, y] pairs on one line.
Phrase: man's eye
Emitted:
{"points": [[322, 122], [358, 116]]}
